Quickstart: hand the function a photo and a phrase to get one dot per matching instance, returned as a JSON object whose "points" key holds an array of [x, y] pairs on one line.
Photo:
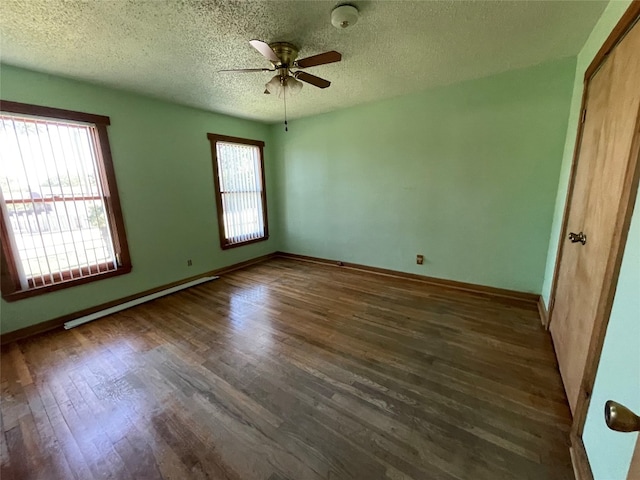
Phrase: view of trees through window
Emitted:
{"points": [[52, 197]]}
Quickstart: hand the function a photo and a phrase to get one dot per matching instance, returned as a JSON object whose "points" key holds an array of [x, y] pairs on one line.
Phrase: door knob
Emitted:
{"points": [[578, 237], [620, 418]]}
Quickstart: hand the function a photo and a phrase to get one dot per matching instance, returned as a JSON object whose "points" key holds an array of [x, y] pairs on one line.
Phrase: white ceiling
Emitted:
{"points": [[173, 49]]}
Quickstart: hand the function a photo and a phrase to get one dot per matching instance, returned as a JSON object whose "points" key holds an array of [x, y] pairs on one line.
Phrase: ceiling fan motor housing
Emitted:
{"points": [[286, 52]]}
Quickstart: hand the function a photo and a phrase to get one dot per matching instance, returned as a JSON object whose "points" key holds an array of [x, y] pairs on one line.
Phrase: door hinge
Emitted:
{"points": [[584, 115]]}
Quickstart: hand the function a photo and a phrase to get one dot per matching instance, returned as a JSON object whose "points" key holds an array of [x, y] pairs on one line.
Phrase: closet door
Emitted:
{"points": [[603, 182]]}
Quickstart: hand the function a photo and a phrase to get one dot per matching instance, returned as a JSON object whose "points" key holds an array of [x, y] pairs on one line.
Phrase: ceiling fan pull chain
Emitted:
{"points": [[284, 96]]}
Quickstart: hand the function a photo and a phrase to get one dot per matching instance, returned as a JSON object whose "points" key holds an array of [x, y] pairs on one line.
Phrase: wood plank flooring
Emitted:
{"points": [[290, 370]]}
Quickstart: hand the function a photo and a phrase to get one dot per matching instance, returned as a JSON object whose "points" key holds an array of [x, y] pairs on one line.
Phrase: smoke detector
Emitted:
{"points": [[344, 16]]}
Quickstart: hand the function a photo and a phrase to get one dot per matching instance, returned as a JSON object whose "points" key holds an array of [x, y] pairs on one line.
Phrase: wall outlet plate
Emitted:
{"points": [[419, 259]]}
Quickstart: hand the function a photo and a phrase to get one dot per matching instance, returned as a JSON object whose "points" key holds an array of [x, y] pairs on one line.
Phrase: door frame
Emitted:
{"points": [[614, 261]]}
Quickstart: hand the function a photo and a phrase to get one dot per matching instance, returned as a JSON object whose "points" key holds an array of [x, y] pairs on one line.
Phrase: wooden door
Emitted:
{"points": [[604, 175]]}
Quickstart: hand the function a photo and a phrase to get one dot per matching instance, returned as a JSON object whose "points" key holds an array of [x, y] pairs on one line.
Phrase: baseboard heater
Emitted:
{"points": [[137, 301]]}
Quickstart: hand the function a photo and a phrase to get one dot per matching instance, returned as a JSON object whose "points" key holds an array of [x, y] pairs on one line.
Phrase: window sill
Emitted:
{"points": [[32, 292], [227, 246]]}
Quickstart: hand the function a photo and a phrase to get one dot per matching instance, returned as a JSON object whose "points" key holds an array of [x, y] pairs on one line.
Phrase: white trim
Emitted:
{"points": [[133, 303]]}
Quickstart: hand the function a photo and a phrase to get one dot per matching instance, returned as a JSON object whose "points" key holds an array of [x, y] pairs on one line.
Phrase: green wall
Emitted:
{"points": [[464, 174], [164, 171], [618, 375]]}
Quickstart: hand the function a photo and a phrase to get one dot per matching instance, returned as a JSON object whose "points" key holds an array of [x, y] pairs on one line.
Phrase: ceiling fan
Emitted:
{"points": [[284, 57]]}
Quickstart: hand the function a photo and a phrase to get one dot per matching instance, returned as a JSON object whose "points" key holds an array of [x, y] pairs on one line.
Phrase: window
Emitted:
{"points": [[60, 217], [238, 171]]}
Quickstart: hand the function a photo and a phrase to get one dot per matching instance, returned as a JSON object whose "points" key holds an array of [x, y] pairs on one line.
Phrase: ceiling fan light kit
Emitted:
{"points": [[277, 85], [344, 16]]}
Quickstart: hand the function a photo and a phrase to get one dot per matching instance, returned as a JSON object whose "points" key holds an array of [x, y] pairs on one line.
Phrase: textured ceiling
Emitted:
{"points": [[173, 49]]}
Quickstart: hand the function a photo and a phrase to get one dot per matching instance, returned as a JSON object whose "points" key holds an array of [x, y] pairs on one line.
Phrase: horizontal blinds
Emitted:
{"points": [[241, 191], [53, 199]]}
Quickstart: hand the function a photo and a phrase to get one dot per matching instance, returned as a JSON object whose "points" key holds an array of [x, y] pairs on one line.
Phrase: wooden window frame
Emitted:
{"points": [[214, 139], [9, 281]]}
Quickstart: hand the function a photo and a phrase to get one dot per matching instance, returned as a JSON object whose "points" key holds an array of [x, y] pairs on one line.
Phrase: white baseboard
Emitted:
{"points": [[133, 303]]}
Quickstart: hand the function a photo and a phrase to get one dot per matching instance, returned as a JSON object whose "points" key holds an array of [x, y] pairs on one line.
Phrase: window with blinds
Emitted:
{"points": [[60, 220], [238, 166]]}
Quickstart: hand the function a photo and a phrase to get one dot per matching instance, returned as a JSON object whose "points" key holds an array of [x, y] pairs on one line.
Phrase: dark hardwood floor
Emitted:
{"points": [[290, 370]]}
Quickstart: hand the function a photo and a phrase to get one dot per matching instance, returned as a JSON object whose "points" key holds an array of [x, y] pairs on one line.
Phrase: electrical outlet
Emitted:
{"points": [[419, 259], [189, 263]]}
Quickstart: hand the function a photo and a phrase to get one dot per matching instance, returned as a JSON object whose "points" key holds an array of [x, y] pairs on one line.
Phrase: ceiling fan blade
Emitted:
{"points": [[320, 59], [265, 50], [312, 79], [249, 70]]}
